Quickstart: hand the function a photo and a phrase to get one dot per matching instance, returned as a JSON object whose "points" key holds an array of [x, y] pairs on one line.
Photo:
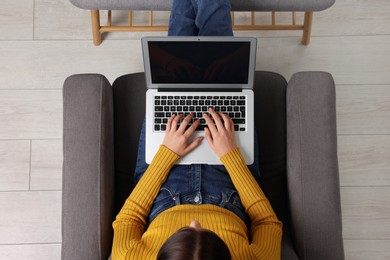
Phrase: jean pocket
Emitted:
{"points": [[233, 203], [164, 200]]}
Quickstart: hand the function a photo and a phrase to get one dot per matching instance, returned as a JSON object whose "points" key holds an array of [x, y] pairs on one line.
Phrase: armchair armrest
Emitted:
{"points": [[312, 167], [88, 169]]}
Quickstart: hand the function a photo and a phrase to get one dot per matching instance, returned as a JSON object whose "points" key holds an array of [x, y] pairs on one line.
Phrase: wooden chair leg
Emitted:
{"points": [[307, 24], [97, 37]]}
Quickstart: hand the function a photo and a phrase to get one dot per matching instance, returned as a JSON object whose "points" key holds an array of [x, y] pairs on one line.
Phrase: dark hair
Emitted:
{"points": [[194, 244]]}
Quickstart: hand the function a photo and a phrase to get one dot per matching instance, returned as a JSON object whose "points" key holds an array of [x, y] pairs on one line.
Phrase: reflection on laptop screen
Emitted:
{"points": [[199, 62]]}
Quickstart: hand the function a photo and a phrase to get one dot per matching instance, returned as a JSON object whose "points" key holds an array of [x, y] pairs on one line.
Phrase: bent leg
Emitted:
{"points": [[213, 17], [182, 19]]}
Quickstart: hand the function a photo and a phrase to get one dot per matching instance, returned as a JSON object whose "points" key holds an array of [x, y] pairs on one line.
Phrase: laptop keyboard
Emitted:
{"points": [[232, 105]]}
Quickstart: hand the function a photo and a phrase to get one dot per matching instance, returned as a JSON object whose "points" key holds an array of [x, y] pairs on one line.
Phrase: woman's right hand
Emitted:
{"points": [[177, 137], [220, 137]]}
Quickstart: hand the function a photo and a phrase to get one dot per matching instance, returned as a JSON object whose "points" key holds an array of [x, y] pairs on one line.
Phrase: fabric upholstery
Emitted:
{"points": [[129, 110], [88, 179], [296, 131], [237, 5], [312, 167]]}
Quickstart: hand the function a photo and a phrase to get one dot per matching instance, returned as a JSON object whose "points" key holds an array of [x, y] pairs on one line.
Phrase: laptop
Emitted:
{"points": [[187, 74]]}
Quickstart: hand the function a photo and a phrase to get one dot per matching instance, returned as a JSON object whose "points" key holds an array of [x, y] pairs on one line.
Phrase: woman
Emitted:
{"points": [[197, 211]]}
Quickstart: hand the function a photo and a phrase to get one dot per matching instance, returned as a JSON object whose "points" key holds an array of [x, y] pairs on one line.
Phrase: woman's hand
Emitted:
{"points": [[221, 136], [176, 138]]}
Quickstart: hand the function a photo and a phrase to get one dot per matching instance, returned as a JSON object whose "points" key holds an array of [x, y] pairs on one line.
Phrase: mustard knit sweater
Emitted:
{"points": [[132, 241]]}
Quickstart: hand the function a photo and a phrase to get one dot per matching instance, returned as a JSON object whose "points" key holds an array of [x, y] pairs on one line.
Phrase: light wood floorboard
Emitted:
{"points": [[46, 64], [73, 23], [353, 17], [16, 19], [367, 249], [363, 109], [14, 165], [31, 251], [353, 60], [46, 165], [364, 160], [366, 212], [30, 217], [31, 114], [42, 42]]}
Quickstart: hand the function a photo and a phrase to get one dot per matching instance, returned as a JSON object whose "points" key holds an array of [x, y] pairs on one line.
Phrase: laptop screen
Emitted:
{"points": [[200, 62]]}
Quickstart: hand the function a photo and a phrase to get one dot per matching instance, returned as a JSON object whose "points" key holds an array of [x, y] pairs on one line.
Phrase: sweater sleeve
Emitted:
{"points": [[266, 229], [130, 223]]}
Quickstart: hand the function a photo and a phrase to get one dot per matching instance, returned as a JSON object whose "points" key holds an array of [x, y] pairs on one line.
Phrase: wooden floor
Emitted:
{"points": [[42, 42]]}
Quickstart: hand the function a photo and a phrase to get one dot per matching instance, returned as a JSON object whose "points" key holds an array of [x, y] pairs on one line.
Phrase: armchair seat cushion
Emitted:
{"points": [[237, 5]]}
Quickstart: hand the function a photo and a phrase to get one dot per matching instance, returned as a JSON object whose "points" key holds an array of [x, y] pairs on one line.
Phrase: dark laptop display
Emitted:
{"points": [[199, 62]]}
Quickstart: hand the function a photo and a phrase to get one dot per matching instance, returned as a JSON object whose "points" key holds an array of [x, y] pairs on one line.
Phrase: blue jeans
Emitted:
{"points": [[195, 184], [200, 18]]}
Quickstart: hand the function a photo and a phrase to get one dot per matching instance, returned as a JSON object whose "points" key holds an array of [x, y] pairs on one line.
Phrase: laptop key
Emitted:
{"points": [[238, 121], [201, 127], [159, 114]]}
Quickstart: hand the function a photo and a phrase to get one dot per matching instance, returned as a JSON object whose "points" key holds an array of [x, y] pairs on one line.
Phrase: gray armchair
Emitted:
{"points": [[296, 124]]}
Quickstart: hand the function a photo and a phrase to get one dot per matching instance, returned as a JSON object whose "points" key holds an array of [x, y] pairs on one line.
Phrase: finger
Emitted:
{"points": [[217, 119], [169, 123], [191, 129], [193, 145], [209, 138], [184, 123], [210, 124], [227, 121], [175, 122]]}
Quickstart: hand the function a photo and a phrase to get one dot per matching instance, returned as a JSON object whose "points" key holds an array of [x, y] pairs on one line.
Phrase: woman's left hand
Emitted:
{"points": [[176, 138]]}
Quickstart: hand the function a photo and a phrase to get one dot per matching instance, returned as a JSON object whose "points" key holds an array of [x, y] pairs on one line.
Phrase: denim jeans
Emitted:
{"points": [[200, 18], [195, 184]]}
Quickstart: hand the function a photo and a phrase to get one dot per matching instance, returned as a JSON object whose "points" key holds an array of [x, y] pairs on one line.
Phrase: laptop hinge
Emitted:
{"points": [[199, 90]]}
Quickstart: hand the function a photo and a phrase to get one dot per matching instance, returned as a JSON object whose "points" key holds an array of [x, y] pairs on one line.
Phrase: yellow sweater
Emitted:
{"points": [[132, 241]]}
